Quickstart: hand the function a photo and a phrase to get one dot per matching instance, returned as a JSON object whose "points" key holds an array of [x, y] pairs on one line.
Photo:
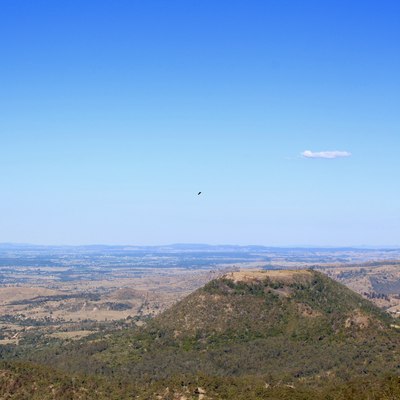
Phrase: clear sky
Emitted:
{"points": [[115, 114]]}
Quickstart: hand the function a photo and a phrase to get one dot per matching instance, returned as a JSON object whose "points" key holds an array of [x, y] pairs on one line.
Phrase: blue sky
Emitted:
{"points": [[114, 114]]}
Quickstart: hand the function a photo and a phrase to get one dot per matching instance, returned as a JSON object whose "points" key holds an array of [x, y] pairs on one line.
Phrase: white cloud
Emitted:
{"points": [[325, 154]]}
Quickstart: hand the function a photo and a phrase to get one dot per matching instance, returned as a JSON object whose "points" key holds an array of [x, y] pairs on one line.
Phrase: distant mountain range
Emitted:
{"points": [[188, 247]]}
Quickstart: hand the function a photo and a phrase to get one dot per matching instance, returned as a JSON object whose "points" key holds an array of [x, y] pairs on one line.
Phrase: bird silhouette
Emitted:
{"points": [[198, 193]]}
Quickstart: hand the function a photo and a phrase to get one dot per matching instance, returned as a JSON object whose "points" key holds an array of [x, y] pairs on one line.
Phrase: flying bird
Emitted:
{"points": [[198, 193]]}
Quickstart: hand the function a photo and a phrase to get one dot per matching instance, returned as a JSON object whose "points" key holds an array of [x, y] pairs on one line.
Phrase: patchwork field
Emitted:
{"points": [[76, 309]]}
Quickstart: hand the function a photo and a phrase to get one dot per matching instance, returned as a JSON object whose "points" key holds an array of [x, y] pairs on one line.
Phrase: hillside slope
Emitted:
{"points": [[299, 323], [31, 381], [300, 305]]}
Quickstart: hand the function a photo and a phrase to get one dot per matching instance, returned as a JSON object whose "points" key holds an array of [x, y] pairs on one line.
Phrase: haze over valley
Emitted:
{"points": [[67, 292]]}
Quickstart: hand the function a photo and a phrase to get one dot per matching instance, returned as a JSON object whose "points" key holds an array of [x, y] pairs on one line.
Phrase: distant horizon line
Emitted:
{"points": [[305, 246]]}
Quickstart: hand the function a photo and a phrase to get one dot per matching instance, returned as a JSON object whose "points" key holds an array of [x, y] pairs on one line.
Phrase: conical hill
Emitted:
{"points": [[298, 323], [242, 306]]}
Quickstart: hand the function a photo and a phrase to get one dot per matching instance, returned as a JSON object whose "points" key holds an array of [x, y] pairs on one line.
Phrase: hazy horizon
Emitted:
{"points": [[303, 246]]}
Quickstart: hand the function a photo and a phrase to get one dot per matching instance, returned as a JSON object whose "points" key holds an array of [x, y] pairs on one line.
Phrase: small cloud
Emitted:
{"points": [[325, 154]]}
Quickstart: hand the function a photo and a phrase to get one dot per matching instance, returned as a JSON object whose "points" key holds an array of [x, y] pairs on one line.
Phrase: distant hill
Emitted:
{"points": [[371, 278], [185, 247], [15, 294]]}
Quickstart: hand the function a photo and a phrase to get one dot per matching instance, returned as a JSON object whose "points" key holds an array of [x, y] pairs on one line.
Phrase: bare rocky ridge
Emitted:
{"points": [[378, 281]]}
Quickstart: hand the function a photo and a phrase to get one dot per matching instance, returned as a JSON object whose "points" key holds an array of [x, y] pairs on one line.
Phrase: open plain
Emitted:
{"points": [[51, 292]]}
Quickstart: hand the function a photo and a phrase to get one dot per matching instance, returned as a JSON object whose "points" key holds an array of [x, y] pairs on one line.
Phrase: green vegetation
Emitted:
{"points": [[31, 381], [307, 337], [274, 388]]}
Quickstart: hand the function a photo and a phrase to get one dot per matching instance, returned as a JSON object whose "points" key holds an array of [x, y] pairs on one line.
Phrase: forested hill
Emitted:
{"points": [[243, 306], [298, 323]]}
